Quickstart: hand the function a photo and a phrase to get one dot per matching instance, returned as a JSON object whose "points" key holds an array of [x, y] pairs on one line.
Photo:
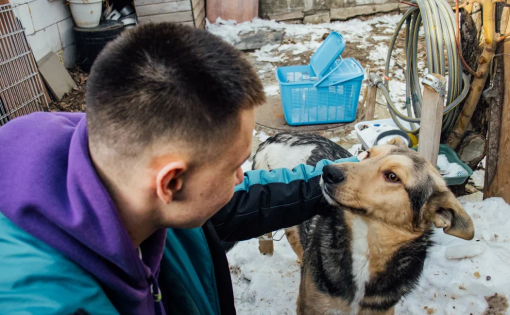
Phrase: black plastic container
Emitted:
{"points": [[90, 41]]}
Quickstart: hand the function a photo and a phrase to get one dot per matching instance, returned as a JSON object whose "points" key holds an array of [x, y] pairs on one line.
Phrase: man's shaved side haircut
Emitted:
{"points": [[166, 82]]}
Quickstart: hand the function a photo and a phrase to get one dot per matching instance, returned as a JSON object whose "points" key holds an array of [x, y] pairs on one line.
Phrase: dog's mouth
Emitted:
{"points": [[334, 202]]}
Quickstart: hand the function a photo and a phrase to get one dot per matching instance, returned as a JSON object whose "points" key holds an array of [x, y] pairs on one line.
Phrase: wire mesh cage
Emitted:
{"points": [[21, 88]]}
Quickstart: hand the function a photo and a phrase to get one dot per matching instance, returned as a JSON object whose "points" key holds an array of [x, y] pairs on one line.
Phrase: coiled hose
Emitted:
{"points": [[439, 27]]}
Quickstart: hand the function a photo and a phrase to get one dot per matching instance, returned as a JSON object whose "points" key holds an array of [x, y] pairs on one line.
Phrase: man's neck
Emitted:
{"points": [[134, 210]]}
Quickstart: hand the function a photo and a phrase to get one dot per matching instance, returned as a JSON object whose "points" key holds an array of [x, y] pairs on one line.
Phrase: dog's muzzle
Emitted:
{"points": [[332, 175]]}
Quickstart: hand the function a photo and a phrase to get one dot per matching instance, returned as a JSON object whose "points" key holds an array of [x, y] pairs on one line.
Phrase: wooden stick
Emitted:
{"points": [[266, 246], [370, 108], [478, 82], [431, 121], [499, 186]]}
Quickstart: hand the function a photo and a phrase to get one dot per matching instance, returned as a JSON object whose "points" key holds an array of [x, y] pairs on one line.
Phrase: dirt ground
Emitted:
{"points": [[74, 101]]}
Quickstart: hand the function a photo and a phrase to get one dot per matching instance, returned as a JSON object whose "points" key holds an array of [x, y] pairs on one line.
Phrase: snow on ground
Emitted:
{"points": [[455, 285]]}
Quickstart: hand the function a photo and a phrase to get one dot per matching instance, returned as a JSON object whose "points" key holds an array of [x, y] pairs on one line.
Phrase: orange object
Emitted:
{"points": [[239, 10]]}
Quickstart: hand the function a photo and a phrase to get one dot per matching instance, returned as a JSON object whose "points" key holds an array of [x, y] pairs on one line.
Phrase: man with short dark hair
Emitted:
{"points": [[123, 210]]}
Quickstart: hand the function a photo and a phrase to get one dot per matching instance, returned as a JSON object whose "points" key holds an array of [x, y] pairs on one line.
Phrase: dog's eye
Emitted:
{"points": [[392, 177]]}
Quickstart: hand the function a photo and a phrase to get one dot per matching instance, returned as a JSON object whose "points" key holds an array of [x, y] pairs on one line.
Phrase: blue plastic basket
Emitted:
{"points": [[326, 91]]}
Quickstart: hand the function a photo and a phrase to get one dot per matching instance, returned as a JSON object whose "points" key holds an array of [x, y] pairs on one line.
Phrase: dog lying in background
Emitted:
{"points": [[369, 250]]}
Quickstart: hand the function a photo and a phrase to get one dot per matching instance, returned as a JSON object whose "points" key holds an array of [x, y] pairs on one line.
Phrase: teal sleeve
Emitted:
{"points": [[285, 175], [270, 200], [37, 279]]}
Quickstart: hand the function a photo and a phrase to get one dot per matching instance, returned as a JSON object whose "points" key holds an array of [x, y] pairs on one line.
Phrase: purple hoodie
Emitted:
{"points": [[49, 188]]}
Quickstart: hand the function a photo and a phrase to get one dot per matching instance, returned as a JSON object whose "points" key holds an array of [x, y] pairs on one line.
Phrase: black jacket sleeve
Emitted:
{"points": [[270, 200]]}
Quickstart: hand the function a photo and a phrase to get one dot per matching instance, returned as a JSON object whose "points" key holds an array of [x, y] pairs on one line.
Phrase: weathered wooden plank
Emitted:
{"points": [[146, 2], [201, 25], [296, 15], [170, 17], [371, 96], [431, 122], [162, 8], [350, 12], [196, 3], [198, 11], [200, 19]]}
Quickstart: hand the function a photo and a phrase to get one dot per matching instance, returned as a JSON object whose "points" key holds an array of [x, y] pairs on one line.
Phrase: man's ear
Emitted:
{"points": [[397, 141], [169, 180], [445, 211]]}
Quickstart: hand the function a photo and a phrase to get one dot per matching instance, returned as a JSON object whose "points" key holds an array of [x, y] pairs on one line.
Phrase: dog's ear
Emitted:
{"points": [[397, 141], [445, 211]]}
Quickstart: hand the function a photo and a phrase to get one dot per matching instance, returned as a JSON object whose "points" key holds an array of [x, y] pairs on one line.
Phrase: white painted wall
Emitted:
{"points": [[49, 28]]}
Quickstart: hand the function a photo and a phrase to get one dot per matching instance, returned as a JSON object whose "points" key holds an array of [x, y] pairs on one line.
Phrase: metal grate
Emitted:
{"points": [[21, 88]]}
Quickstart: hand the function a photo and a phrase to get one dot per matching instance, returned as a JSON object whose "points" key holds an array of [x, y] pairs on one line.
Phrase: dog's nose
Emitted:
{"points": [[332, 175]]}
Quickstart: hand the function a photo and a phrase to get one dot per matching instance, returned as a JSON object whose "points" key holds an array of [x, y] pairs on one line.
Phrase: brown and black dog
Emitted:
{"points": [[367, 252]]}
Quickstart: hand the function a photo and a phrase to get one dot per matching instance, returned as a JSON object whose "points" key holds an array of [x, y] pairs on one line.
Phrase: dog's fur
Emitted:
{"points": [[369, 250]]}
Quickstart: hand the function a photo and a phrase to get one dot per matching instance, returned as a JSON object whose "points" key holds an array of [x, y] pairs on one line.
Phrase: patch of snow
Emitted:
{"points": [[454, 285], [246, 166], [352, 135], [399, 74], [463, 251], [482, 163], [264, 284], [380, 38], [262, 136], [334, 139], [268, 56], [398, 95], [379, 54], [478, 178], [355, 148], [271, 90]]}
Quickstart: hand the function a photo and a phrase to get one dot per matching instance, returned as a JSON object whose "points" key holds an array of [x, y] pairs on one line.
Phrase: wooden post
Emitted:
{"points": [[266, 246], [370, 109], [499, 184], [431, 117]]}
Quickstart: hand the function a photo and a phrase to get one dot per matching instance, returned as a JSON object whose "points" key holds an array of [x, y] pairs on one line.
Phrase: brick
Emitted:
{"points": [[46, 13], [19, 2], [347, 13], [23, 14], [317, 18], [65, 29], [45, 41], [296, 15]]}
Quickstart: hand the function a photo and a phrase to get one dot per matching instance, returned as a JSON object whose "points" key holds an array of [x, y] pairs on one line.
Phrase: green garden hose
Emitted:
{"points": [[439, 28]]}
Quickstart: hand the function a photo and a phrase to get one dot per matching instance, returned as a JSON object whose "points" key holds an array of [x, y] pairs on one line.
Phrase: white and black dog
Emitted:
{"points": [[367, 253]]}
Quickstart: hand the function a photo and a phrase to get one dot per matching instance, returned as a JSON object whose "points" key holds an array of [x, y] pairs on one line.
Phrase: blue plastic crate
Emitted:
{"points": [[326, 91]]}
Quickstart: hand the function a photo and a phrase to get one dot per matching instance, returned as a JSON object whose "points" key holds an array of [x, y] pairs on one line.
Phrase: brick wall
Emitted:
{"points": [[49, 28]]}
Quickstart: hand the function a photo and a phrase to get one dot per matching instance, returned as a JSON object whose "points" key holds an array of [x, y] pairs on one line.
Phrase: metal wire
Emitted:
{"points": [[21, 87], [442, 58]]}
